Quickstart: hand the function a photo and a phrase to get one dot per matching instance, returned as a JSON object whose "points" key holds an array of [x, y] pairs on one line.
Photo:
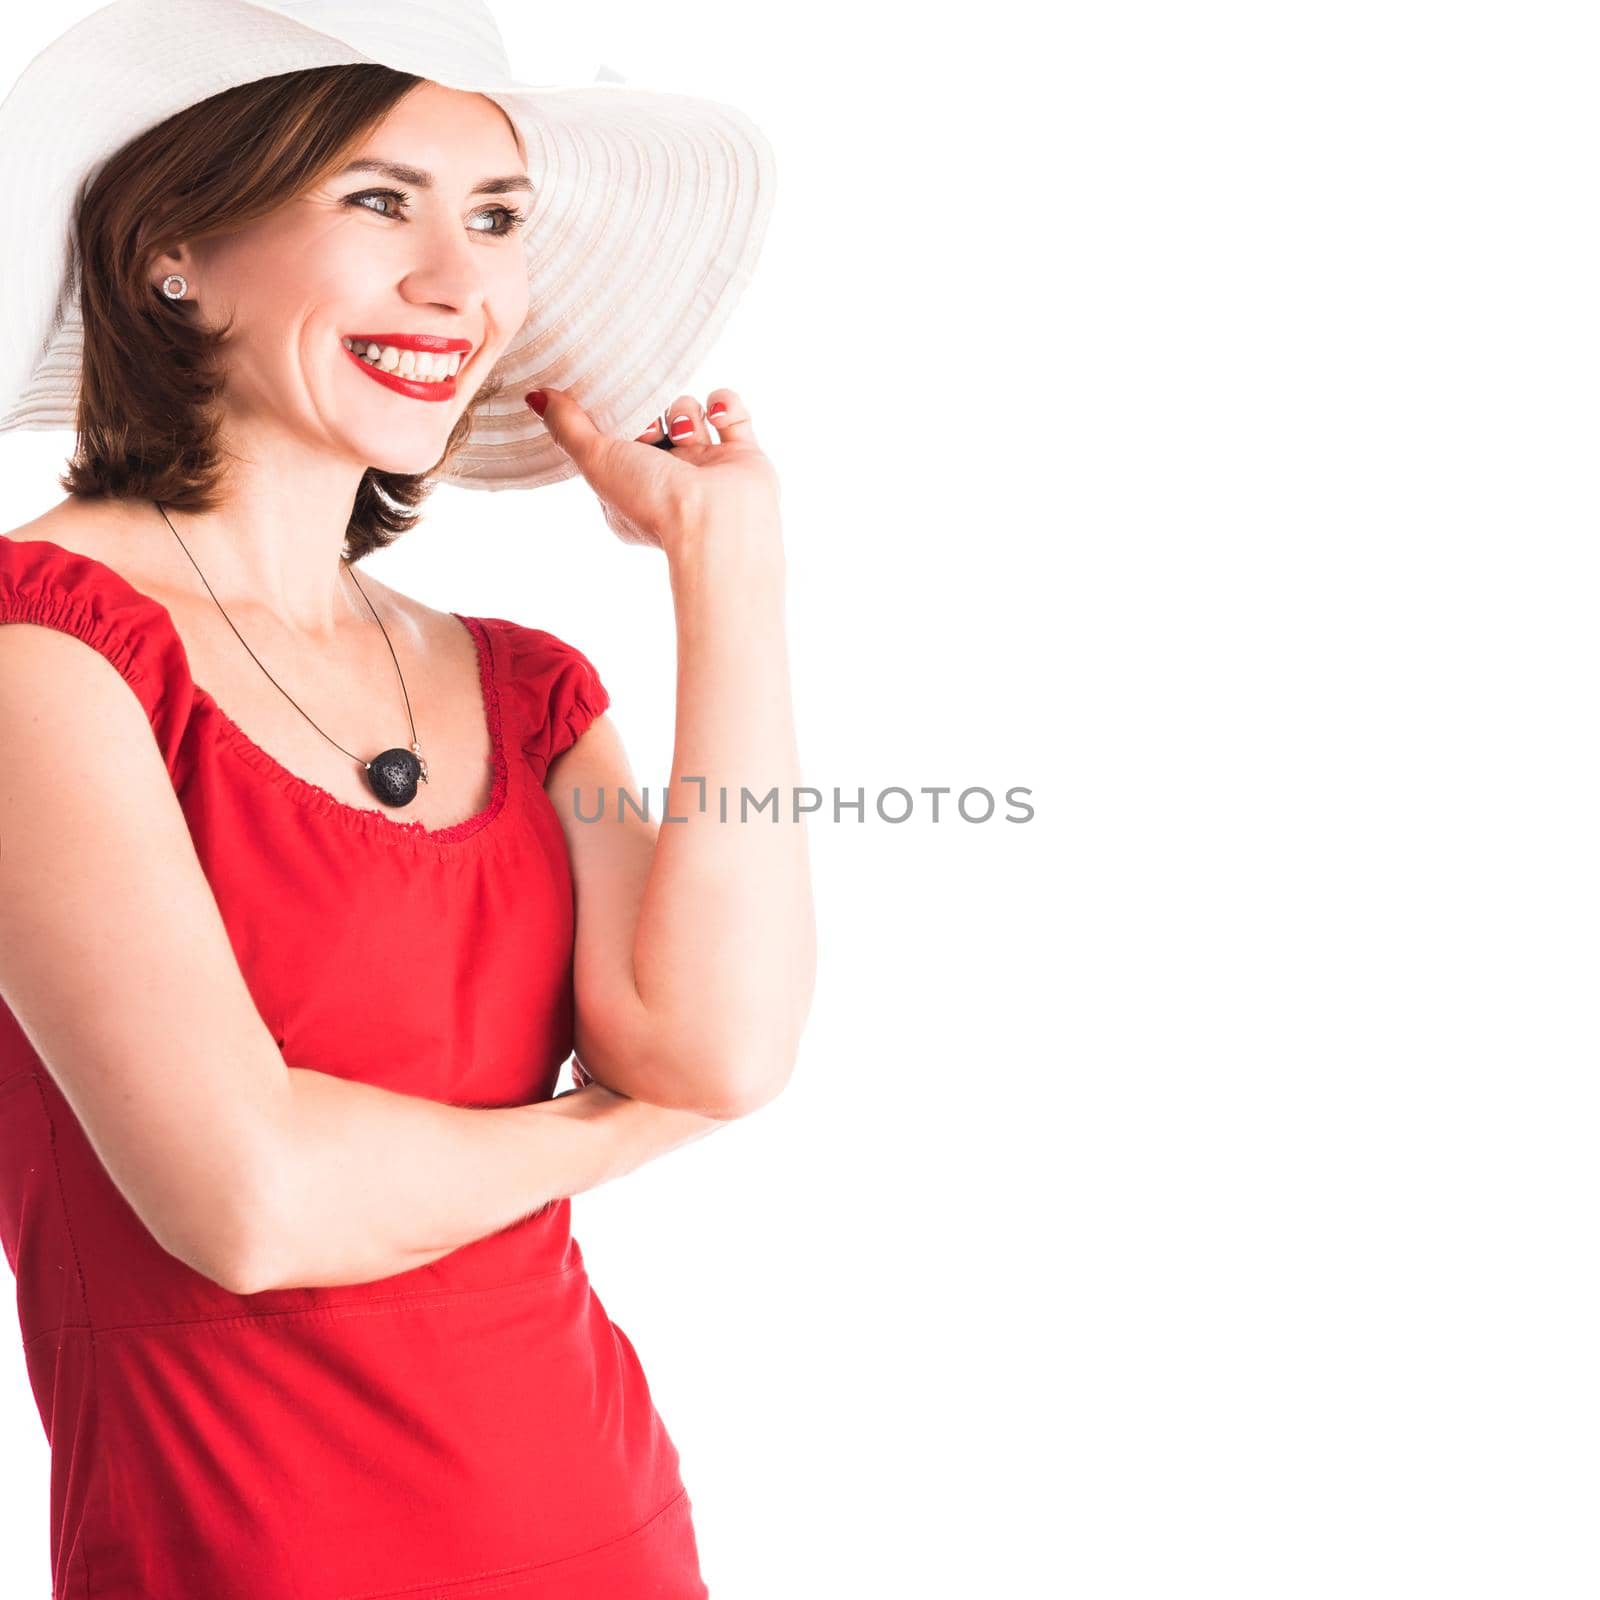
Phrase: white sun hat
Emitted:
{"points": [[647, 218]]}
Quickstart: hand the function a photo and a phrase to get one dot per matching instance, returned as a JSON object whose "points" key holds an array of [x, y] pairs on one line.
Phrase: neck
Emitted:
{"points": [[276, 544]]}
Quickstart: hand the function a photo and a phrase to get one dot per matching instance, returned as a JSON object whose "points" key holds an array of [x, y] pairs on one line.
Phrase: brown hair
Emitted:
{"points": [[146, 424]]}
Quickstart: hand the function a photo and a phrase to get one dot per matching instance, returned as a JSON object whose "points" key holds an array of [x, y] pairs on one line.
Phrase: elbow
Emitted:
{"points": [[761, 1088], [687, 1069], [253, 1271], [757, 1068], [243, 1261], [230, 1209], [260, 1259], [745, 1083], [242, 1248], [240, 1269], [242, 1276]]}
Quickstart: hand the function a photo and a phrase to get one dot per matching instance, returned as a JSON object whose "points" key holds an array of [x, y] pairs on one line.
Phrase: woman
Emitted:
{"points": [[288, 986]]}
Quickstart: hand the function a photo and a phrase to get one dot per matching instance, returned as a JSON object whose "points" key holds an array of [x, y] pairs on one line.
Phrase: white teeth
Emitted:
{"points": [[423, 366]]}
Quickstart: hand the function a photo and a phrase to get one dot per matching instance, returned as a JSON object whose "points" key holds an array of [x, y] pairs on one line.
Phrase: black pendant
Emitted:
{"points": [[393, 777]]}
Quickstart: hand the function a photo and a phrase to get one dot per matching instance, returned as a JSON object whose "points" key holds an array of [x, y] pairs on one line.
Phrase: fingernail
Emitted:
{"points": [[717, 410], [682, 427], [535, 398]]}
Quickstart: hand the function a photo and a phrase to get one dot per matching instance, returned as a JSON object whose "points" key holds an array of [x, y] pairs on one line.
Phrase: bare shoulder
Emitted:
{"points": [[130, 539], [107, 531], [77, 524]]}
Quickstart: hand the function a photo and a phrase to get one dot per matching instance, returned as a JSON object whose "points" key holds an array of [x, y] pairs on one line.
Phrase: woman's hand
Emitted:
{"points": [[661, 497]]}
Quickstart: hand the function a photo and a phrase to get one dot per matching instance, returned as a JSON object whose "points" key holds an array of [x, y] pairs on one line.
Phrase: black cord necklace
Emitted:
{"points": [[392, 775]]}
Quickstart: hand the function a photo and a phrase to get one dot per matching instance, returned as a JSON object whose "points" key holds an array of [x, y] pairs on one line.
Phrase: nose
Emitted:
{"points": [[447, 272]]}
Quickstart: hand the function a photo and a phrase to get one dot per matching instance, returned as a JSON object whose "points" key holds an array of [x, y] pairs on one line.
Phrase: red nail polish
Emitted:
{"points": [[535, 398], [716, 410]]}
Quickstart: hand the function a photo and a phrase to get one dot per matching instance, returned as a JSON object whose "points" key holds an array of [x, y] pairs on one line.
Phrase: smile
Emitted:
{"points": [[423, 368]]}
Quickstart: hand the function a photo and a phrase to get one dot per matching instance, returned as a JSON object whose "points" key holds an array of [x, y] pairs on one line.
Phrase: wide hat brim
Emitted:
{"points": [[648, 215]]}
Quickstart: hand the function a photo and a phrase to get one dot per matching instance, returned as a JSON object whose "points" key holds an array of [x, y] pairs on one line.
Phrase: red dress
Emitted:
{"points": [[475, 1426]]}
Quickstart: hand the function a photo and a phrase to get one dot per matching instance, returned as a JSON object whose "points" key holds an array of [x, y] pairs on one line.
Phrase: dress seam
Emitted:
{"points": [[516, 1574], [340, 1309]]}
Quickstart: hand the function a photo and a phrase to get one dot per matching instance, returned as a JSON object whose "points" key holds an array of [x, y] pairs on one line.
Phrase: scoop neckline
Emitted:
{"points": [[323, 800], [314, 795]]}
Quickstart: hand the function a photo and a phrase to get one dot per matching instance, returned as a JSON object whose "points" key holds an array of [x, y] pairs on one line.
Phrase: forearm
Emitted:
{"points": [[371, 1183], [724, 949]]}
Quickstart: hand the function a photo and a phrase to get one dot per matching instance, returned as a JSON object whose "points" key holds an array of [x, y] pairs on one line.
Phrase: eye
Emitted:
{"points": [[510, 217], [395, 195], [513, 219]]}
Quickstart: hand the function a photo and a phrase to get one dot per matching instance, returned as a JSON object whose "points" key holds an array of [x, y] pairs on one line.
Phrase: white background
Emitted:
{"points": [[1188, 414]]}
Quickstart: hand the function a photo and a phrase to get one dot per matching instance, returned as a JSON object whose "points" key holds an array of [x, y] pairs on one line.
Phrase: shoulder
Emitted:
{"points": [[549, 688], [107, 540], [90, 548], [102, 530], [58, 573], [552, 668], [554, 685], [68, 561]]}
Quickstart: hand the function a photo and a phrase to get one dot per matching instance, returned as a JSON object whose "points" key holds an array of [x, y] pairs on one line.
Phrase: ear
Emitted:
{"points": [[179, 259]]}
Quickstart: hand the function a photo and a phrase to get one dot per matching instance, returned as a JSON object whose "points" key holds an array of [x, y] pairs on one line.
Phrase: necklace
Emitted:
{"points": [[391, 775]]}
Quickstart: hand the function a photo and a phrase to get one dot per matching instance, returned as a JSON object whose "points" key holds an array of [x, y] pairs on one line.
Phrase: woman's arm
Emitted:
{"points": [[696, 947], [116, 964], [370, 1182]]}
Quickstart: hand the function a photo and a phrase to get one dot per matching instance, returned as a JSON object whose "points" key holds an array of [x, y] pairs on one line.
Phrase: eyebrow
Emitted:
{"points": [[424, 180]]}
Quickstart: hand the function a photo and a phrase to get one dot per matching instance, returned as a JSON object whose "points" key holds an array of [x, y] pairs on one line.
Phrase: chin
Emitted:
{"points": [[407, 467], [393, 457]]}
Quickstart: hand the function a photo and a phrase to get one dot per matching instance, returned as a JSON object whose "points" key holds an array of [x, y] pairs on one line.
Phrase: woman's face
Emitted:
{"points": [[435, 254]]}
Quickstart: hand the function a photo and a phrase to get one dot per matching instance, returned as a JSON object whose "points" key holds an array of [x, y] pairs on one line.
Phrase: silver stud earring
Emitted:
{"points": [[175, 287]]}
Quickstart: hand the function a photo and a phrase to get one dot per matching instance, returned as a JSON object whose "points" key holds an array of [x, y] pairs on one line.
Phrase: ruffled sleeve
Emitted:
{"points": [[558, 693], [43, 583]]}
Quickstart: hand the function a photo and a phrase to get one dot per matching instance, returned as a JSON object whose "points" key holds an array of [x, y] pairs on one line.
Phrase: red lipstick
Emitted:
{"points": [[440, 389], [412, 341]]}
